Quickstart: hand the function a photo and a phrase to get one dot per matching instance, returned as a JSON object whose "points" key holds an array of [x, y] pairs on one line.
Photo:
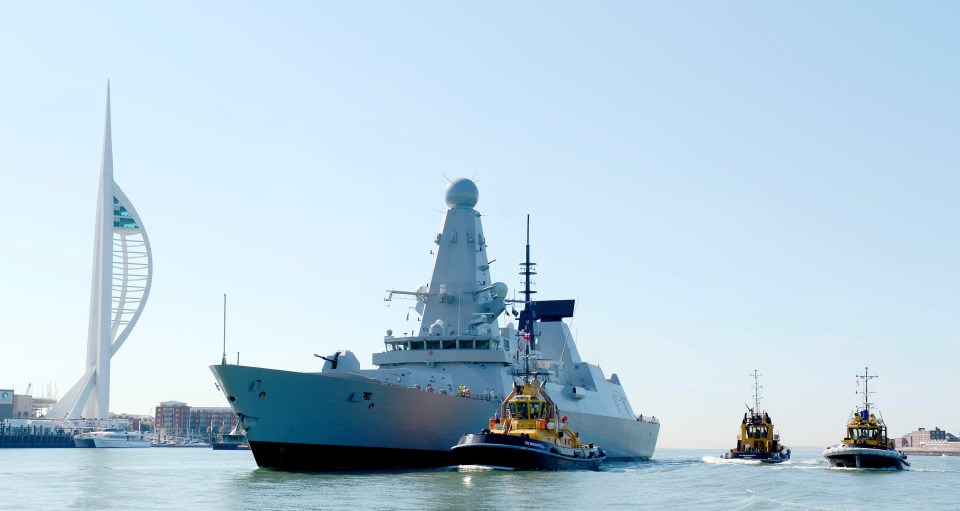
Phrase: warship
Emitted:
{"points": [[434, 384]]}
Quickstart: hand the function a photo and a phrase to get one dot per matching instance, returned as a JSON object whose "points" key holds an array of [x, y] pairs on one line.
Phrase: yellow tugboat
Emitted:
{"points": [[757, 439], [528, 433], [866, 444]]}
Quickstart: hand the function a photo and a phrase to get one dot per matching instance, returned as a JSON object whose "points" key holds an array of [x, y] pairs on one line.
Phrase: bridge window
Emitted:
{"points": [[416, 345], [465, 345], [535, 410], [483, 345]]}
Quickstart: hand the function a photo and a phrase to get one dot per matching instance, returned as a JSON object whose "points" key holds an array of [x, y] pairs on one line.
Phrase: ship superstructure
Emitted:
{"points": [[449, 374]]}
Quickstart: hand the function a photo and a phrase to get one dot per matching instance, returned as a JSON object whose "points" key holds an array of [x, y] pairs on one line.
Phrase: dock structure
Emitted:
{"points": [[34, 436]]}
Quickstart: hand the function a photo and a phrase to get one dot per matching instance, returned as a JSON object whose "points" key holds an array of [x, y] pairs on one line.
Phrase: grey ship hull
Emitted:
{"points": [[312, 421]]}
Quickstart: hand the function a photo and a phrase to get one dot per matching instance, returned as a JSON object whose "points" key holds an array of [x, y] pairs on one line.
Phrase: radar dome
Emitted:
{"points": [[499, 290], [462, 193]]}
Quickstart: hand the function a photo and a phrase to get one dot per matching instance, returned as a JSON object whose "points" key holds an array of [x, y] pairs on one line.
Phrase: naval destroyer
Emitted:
{"points": [[437, 383]]}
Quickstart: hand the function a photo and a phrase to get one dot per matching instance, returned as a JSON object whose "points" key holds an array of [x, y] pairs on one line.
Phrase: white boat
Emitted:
{"points": [[410, 410], [112, 438]]}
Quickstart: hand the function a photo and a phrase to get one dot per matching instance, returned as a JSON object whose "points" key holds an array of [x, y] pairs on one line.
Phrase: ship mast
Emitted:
{"points": [[223, 361], [527, 300], [756, 391], [866, 377]]}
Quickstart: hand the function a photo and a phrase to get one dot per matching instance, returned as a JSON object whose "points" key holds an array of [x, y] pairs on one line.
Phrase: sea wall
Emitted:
{"points": [[33, 436]]}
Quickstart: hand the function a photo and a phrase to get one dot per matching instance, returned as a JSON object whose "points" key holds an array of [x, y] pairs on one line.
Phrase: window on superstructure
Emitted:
{"points": [[483, 345], [449, 345], [416, 345], [535, 410], [433, 345], [465, 345], [522, 412]]}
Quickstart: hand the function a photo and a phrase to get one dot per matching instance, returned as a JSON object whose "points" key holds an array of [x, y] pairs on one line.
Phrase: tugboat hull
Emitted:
{"points": [[766, 457], [498, 450], [844, 456]]}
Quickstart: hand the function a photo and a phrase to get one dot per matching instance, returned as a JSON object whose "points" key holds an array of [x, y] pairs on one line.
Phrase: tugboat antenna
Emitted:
{"points": [[756, 391], [866, 376]]}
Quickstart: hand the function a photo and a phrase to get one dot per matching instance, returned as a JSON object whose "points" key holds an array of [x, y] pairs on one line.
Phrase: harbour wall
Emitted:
{"points": [[34, 436]]}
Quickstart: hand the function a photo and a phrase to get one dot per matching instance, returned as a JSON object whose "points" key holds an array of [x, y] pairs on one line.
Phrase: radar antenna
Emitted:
{"points": [[866, 377]]}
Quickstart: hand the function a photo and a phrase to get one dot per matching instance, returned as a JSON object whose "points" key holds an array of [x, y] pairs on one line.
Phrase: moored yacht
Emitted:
{"points": [[112, 438], [866, 444], [456, 365]]}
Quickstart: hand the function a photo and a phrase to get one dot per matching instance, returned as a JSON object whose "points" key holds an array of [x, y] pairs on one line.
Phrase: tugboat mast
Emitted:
{"points": [[866, 376], [756, 391], [527, 272]]}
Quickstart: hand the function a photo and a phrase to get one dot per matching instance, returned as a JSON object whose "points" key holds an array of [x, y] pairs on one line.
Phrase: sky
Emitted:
{"points": [[723, 187]]}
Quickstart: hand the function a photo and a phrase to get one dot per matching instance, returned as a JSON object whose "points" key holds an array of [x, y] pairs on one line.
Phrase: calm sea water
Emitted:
{"points": [[155, 479]]}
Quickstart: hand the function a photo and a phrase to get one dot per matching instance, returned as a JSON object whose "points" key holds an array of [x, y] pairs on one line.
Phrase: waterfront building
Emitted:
{"points": [[122, 272], [6, 404], [175, 419], [172, 419], [23, 406], [211, 420], [923, 436]]}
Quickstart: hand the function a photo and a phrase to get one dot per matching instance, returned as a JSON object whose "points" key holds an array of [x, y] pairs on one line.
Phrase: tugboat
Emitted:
{"points": [[529, 437], [866, 444], [757, 440], [531, 434]]}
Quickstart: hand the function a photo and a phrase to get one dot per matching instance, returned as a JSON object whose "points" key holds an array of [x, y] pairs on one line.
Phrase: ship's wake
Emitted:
{"points": [[721, 461]]}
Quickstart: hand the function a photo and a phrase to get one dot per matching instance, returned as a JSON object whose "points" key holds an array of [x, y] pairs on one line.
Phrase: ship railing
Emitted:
{"points": [[483, 395]]}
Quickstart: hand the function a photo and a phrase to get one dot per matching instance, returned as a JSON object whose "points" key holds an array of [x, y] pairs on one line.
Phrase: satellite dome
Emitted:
{"points": [[462, 193]]}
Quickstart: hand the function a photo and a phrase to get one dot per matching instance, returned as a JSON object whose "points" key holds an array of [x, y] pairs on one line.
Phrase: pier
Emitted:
{"points": [[33, 436]]}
